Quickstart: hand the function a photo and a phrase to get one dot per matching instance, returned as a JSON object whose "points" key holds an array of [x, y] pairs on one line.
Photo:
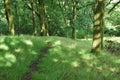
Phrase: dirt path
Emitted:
{"points": [[34, 66]]}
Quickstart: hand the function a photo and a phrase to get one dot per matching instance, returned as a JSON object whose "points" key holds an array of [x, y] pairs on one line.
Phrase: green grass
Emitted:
{"points": [[66, 60]]}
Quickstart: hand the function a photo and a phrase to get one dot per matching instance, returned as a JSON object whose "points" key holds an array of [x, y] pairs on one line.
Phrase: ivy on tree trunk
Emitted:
{"points": [[98, 28]]}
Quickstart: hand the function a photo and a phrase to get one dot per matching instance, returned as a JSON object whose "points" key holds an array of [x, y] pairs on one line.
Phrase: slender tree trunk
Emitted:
{"points": [[97, 44], [9, 17], [34, 18], [73, 20], [17, 22], [44, 31]]}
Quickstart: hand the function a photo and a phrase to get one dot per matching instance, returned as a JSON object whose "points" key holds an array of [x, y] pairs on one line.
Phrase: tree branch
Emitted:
{"points": [[30, 8], [113, 7], [108, 2]]}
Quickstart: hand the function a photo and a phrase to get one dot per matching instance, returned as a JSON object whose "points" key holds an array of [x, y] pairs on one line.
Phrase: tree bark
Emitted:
{"points": [[44, 31], [34, 18], [9, 17], [73, 20], [98, 28], [17, 18]]}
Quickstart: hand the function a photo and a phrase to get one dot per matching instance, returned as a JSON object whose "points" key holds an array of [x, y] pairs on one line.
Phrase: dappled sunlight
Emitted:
{"points": [[7, 60], [57, 43], [113, 69], [115, 39], [18, 50], [10, 59], [13, 42], [117, 61], [87, 56], [28, 42], [81, 52], [65, 58], [55, 60], [34, 52], [4, 47], [97, 22], [75, 64], [97, 16], [2, 39]]}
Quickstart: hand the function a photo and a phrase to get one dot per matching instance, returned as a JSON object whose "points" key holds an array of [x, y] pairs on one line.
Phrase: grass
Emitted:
{"points": [[66, 60]]}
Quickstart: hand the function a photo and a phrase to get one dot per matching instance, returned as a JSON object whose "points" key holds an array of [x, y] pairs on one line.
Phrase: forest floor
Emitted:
{"points": [[64, 59]]}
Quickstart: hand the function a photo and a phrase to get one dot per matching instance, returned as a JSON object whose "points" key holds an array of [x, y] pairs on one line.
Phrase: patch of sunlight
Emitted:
{"points": [[33, 52], [113, 69], [114, 1], [117, 61], [4, 47], [18, 50], [89, 39], [57, 43], [10, 57], [28, 42], [97, 22], [2, 40], [116, 39], [13, 43], [72, 46], [75, 63], [1, 58], [98, 35], [96, 42], [55, 60], [81, 52], [97, 16]]}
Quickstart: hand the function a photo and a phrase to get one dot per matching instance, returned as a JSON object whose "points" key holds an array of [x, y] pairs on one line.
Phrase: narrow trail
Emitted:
{"points": [[34, 66]]}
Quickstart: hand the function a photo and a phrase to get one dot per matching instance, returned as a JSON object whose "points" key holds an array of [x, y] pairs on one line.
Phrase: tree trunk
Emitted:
{"points": [[97, 44], [73, 20], [44, 31], [9, 17], [17, 19], [34, 18]]}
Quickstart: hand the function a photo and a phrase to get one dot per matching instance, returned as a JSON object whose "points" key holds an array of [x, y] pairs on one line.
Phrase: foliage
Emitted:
{"points": [[113, 45], [58, 15]]}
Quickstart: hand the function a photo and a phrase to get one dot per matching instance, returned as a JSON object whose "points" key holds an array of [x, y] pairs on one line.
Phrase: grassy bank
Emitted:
{"points": [[66, 59]]}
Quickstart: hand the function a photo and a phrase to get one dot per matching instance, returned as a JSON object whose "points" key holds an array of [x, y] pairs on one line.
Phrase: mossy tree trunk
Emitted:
{"points": [[98, 28], [73, 20], [44, 31], [34, 18], [9, 17]]}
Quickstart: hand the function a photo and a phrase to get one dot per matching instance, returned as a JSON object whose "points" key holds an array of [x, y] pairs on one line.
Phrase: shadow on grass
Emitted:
{"points": [[16, 54], [67, 60]]}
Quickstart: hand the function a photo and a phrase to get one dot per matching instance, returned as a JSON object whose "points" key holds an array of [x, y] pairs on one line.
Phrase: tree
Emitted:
{"points": [[97, 44], [44, 31], [74, 19], [16, 18], [9, 17], [34, 18]]}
